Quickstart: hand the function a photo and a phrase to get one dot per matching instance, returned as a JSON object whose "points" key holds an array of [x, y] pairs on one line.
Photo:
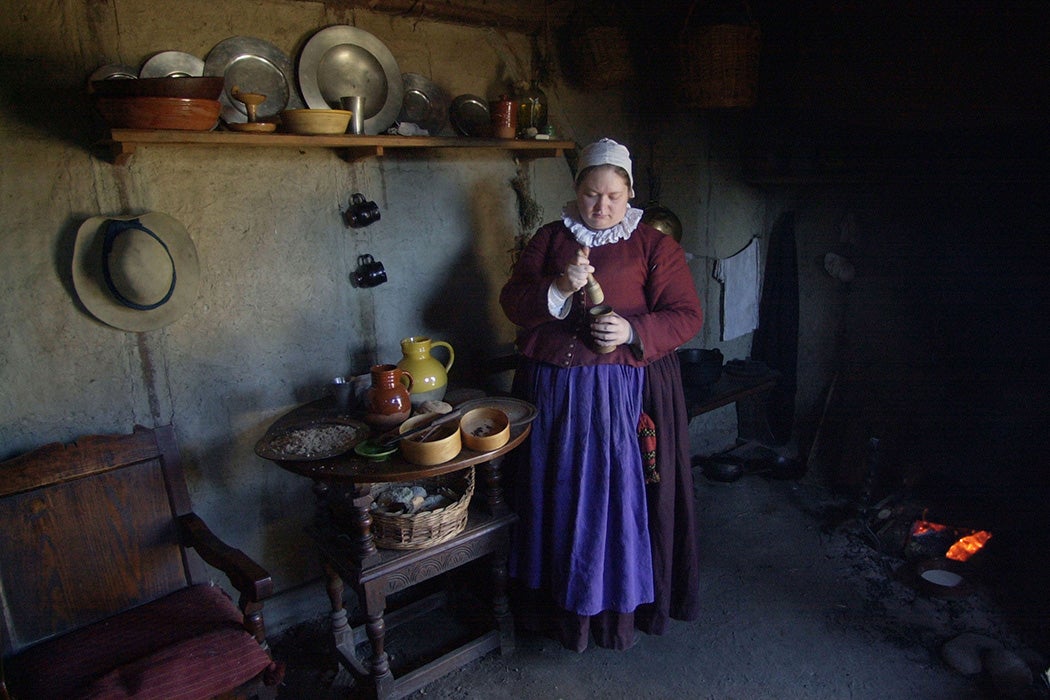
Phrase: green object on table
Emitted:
{"points": [[371, 449]]}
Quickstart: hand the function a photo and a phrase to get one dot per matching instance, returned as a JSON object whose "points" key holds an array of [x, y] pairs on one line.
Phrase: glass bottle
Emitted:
{"points": [[532, 111]]}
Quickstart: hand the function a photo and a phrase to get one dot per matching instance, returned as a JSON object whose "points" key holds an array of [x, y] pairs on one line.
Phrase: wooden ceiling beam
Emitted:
{"points": [[520, 15]]}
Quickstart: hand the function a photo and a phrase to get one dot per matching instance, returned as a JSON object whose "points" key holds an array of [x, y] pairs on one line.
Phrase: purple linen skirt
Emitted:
{"points": [[580, 494]]}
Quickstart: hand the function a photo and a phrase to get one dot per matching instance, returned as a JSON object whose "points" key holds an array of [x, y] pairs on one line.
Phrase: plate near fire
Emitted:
{"points": [[941, 577], [941, 557]]}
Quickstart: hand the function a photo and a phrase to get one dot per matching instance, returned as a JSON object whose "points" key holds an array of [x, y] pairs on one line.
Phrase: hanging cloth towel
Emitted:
{"points": [[741, 278]]}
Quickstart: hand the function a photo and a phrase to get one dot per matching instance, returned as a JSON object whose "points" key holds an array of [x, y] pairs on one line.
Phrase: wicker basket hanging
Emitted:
{"points": [[600, 56], [719, 65], [598, 44]]}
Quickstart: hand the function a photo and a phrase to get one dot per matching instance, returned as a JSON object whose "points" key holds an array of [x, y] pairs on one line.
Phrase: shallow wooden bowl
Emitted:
{"points": [[315, 122], [189, 114], [485, 429], [192, 87], [439, 446]]}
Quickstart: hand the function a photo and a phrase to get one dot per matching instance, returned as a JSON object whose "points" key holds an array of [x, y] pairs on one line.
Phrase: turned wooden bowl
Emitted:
{"points": [[190, 87], [485, 429], [315, 122], [429, 448], [190, 114]]}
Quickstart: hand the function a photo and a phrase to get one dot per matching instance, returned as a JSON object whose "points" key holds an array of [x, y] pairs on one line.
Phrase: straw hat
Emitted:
{"points": [[136, 273]]}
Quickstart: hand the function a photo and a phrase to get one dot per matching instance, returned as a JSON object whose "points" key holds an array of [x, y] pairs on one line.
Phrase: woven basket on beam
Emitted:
{"points": [[600, 55], [719, 66]]}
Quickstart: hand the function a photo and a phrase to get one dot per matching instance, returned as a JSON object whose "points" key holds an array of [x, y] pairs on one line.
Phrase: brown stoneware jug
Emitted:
{"points": [[388, 401]]}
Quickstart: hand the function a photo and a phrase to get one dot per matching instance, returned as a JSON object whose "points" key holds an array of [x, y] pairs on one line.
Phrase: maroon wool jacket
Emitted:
{"points": [[645, 279]]}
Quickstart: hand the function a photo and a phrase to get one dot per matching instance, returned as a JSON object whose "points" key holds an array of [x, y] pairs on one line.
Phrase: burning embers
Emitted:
{"points": [[938, 552], [939, 558], [935, 539]]}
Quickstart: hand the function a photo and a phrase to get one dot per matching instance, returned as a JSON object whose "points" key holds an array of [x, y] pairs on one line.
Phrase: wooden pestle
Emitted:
{"points": [[594, 290]]}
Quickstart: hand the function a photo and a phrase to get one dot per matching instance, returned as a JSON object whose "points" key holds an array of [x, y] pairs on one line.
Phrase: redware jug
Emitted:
{"points": [[430, 375], [504, 118], [388, 400]]}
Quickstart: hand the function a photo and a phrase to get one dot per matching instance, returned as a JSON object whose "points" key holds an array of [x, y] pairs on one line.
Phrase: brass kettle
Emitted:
{"points": [[662, 219]]}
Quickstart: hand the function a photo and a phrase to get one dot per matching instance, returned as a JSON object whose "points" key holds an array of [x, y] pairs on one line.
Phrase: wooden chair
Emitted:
{"points": [[103, 593]]}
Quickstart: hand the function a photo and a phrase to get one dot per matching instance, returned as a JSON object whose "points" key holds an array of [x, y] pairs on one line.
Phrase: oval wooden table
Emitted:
{"points": [[349, 553]]}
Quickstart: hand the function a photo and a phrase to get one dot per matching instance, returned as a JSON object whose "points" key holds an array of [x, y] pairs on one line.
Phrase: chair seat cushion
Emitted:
{"points": [[188, 645]]}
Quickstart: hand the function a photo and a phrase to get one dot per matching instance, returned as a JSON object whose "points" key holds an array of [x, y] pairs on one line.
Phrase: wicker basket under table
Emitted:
{"points": [[420, 530]]}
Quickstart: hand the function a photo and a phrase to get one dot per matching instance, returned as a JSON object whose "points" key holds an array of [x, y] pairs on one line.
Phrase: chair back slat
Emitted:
{"points": [[59, 462]]}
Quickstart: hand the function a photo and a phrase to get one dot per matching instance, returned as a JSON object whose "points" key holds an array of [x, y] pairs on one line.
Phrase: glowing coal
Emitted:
{"points": [[936, 539]]}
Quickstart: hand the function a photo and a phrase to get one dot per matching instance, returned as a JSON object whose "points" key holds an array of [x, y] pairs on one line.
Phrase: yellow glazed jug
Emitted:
{"points": [[429, 375]]}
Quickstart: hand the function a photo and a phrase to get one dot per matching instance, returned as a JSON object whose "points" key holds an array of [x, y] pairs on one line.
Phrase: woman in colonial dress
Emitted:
{"points": [[606, 540]]}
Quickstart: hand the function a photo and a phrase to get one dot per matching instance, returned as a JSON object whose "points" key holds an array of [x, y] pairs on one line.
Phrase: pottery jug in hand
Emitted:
{"points": [[430, 375], [388, 401]]}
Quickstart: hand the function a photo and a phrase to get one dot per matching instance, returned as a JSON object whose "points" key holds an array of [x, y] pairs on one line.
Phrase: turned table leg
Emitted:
{"points": [[500, 599], [490, 472], [375, 628], [342, 634], [364, 543], [350, 515]]}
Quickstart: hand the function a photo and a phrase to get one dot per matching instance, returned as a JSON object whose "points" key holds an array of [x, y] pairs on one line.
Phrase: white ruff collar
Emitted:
{"points": [[570, 216]]}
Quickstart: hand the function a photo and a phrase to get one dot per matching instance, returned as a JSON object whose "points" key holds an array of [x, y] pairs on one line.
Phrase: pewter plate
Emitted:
{"points": [[252, 65], [341, 60], [469, 115], [424, 104], [113, 71], [312, 441], [172, 64]]}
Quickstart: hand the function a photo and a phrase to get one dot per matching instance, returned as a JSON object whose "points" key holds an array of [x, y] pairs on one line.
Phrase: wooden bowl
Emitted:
{"points": [[192, 87], [439, 446], [485, 429], [315, 122], [188, 114]]}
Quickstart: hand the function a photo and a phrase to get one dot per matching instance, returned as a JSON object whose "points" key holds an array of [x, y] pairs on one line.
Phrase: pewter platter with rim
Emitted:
{"points": [[113, 71], [252, 65], [312, 440], [469, 115], [425, 103], [172, 64], [518, 412], [340, 61]]}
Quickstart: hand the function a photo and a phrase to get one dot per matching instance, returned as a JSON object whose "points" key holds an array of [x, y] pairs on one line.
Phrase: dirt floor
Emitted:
{"points": [[798, 604]]}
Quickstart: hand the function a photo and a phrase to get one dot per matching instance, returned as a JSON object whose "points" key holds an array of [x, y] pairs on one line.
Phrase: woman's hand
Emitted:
{"points": [[611, 330], [575, 275]]}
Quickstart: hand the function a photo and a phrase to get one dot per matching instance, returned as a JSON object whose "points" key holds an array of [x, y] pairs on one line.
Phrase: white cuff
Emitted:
{"points": [[558, 302]]}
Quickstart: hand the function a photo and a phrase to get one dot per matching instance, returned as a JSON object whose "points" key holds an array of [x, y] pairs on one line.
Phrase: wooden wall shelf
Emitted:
{"points": [[122, 143]]}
